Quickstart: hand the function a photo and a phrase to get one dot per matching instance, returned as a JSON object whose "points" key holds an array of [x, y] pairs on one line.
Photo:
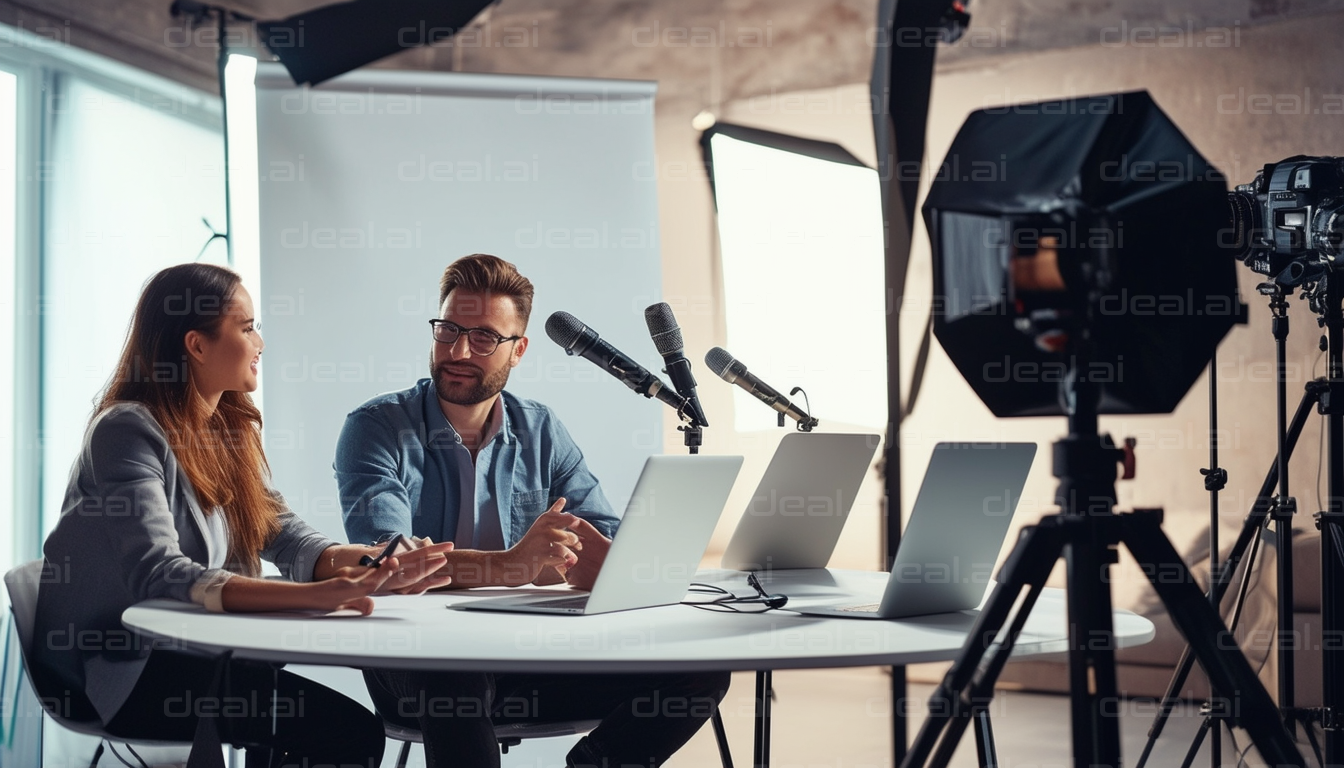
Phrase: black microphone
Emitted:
{"points": [[578, 339], [667, 338], [734, 372]]}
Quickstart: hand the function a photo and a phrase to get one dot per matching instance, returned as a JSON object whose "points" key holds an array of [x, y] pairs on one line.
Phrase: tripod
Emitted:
{"points": [[1327, 395], [1086, 533]]}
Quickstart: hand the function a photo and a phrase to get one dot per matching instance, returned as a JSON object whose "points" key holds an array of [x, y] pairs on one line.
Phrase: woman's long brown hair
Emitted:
{"points": [[220, 451]]}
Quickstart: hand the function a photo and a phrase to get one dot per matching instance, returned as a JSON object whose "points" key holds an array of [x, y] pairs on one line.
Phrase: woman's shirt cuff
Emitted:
{"points": [[208, 590]]}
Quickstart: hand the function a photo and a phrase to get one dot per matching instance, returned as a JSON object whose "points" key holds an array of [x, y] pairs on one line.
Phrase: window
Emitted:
{"points": [[9, 122], [125, 165], [130, 186]]}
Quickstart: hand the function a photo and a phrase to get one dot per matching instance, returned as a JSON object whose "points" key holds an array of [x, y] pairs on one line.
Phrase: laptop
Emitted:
{"points": [[947, 553], [795, 516], [664, 532]]}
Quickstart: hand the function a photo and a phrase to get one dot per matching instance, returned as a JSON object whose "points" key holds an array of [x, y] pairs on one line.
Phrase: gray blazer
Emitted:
{"points": [[130, 530]]}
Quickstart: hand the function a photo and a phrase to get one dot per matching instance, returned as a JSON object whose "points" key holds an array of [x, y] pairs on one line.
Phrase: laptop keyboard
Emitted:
{"points": [[569, 602], [869, 608]]}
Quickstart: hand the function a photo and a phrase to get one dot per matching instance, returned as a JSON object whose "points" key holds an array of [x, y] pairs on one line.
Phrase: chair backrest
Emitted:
{"points": [[75, 710], [21, 582], [506, 732]]}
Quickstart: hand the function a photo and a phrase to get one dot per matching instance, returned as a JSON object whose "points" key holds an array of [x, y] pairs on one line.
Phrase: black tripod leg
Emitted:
{"points": [[984, 739], [1198, 742], [1096, 731], [975, 702], [1214, 647], [1250, 529], [1029, 565], [1332, 623]]}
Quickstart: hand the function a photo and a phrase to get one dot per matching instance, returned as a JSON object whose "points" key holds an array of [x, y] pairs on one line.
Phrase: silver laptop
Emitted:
{"points": [[957, 526], [664, 532], [795, 516]]}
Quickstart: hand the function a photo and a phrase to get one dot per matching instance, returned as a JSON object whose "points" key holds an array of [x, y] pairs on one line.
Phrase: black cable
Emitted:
{"points": [[214, 235], [131, 749], [123, 760]]}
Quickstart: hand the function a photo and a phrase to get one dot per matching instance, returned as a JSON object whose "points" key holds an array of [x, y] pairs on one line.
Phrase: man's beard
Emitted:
{"points": [[468, 393]]}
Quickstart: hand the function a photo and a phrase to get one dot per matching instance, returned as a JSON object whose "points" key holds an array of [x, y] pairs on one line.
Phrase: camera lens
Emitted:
{"points": [[1247, 223], [1330, 235]]}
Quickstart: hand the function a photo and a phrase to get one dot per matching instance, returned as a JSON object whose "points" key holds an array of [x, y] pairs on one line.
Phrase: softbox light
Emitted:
{"points": [[325, 42], [1128, 213]]}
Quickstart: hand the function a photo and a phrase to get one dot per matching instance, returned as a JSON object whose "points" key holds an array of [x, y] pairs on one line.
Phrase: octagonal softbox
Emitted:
{"points": [[1134, 209]]}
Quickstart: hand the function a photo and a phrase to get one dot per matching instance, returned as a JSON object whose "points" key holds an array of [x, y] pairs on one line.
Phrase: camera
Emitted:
{"points": [[1289, 222]]}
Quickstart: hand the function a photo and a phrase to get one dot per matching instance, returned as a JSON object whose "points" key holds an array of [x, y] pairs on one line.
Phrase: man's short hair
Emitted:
{"points": [[491, 275]]}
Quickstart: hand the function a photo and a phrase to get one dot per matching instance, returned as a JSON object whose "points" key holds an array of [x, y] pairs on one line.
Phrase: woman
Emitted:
{"points": [[169, 498]]}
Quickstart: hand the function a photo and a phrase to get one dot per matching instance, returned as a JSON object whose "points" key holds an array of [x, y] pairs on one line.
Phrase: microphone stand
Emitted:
{"points": [[692, 432]]}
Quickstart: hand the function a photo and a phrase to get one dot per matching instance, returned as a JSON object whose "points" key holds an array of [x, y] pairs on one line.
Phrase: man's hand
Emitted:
{"points": [[547, 544], [583, 574]]}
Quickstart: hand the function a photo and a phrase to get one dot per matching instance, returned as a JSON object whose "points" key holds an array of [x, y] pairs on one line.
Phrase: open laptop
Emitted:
{"points": [[663, 534], [957, 526], [794, 518]]}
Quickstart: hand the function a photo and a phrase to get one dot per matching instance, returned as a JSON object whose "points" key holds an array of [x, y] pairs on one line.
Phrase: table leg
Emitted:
{"points": [[899, 737], [763, 693]]}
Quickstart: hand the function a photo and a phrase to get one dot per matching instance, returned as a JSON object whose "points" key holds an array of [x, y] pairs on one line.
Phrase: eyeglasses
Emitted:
{"points": [[729, 602], [481, 341]]}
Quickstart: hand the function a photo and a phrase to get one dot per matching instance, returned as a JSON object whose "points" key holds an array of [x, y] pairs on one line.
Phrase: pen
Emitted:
{"points": [[374, 562]]}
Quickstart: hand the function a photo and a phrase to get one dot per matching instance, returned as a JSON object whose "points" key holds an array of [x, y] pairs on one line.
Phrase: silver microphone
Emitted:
{"points": [[734, 372]]}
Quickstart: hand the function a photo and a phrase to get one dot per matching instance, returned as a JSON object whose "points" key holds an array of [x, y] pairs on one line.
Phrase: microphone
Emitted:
{"points": [[734, 372], [667, 338], [578, 339]]}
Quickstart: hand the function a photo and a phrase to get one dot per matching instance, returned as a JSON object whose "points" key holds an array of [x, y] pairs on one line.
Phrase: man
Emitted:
{"points": [[457, 458]]}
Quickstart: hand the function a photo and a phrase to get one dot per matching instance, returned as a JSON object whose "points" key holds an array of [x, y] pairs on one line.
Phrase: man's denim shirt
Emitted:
{"points": [[396, 474]]}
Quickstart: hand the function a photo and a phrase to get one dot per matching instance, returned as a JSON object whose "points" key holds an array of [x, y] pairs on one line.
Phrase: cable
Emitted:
{"points": [[1241, 753], [124, 761], [214, 235], [131, 749]]}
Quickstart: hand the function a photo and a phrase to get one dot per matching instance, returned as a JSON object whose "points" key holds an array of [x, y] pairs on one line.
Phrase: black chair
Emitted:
{"points": [[513, 734], [71, 709]]}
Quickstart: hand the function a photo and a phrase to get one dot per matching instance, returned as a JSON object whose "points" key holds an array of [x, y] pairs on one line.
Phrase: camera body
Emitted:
{"points": [[1289, 222]]}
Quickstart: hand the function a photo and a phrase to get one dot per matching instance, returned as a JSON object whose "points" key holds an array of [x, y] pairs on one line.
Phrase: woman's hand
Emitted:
{"points": [[353, 588], [414, 570], [417, 569]]}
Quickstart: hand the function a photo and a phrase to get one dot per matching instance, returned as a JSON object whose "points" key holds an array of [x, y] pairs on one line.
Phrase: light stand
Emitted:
{"points": [[1258, 517], [1215, 479], [1326, 395], [1331, 523], [1085, 534], [1278, 508], [197, 14]]}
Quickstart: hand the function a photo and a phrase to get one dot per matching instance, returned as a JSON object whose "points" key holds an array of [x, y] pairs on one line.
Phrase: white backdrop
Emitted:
{"points": [[374, 182]]}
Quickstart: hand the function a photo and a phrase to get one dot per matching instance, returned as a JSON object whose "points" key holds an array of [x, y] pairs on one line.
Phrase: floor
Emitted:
{"points": [[841, 719], [827, 719]]}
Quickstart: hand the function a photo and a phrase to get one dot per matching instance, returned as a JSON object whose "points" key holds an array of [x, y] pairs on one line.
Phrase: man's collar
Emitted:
{"points": [[498, 421], [438, 430]]}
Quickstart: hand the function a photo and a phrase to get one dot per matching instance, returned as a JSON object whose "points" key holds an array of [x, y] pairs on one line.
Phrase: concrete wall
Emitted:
{"points": [[1213, 65], [1244, 96]]}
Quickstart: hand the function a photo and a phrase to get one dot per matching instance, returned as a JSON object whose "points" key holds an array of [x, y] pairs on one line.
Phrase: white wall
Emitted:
{"points": [[373, 183]]}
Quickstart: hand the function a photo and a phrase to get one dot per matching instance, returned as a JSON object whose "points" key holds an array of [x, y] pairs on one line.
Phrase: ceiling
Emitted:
{"points": [[702, 52]]}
